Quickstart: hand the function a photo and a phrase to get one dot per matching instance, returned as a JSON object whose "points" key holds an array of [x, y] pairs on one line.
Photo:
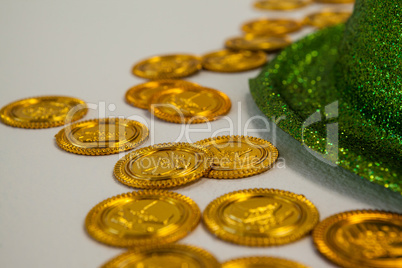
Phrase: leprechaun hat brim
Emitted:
{"points": [[298, 90]]}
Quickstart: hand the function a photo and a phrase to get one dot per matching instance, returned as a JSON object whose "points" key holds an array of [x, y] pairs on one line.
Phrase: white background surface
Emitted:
{"points": [[86, 49]]}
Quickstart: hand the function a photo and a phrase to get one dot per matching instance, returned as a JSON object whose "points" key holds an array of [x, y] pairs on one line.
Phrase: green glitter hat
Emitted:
{"points": [[340, 90]]}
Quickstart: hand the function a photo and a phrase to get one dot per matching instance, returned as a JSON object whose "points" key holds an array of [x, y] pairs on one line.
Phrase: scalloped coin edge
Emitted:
{"points": [[8, 120], [98, 234], [225, 52], [197, 67], [310, 20], [262, 260], [64, 144], [230, 43], [298, 25], [321, 229], [214, 227], [260, 6], [209, 260], [121, 176]]}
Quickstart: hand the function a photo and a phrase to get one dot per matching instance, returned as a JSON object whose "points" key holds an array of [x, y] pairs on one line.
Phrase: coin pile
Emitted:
{"points": [[175, 164], [244, 52], [91, 137], [179, 101], [270, 35], [148, 222]]}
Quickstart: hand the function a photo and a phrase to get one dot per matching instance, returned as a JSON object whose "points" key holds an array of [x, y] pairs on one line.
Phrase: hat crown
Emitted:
{"points": [[369, 70]]}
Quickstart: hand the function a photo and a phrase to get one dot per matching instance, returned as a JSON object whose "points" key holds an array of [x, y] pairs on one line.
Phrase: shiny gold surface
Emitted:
{"points": [[163, 165], [335, 1], [190, 105], [272, 26], [261, 262], [43, 112], [239, 156], [101, 136], [140, 95], [281, 4], [167, 66], [150, 217], [233, 61], [258, 42], [168, 256], [327, 18], [361, 238], [260, 217]]}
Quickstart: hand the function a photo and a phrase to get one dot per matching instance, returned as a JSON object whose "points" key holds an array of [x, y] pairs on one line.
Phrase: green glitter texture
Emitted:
{"points": [[356, 69]]}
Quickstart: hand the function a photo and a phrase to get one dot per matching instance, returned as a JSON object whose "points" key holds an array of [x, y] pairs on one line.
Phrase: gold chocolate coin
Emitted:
{"points": [[281, 5], [167, 66], [43, 112], [140, 95], [163, 165], [361, 238], [258, 42], [101, 136], [272, 26], [190, 105], [260, 217], [335, 1], [233, 60], [260, 261], [239, 156], [150, 217], [171, 256], [327, 18]]}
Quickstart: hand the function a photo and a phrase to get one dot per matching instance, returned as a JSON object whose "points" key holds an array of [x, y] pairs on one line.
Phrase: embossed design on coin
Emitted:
{"points": [[327, 18], [167, 66], [281, 5], [101, 136], [233, 60], [272, 26], [142, 218], [131, 218], [361, 238], [43, 112], [239, 156], [173, 255], [140, 95], [261, 261], [258, 42], [190, 105], [163, 165], [260, 217]]}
